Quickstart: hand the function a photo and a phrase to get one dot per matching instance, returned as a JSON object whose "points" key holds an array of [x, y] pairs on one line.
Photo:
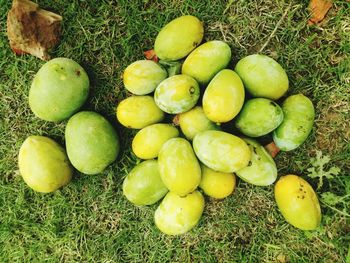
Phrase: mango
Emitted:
{"points": [[177, 94], [259, 117], [297, 124], [221, 151], [178, 166], [177, 215], [44, 164], [298, 202], [262, 76], [261, 169], [143, 76], [224, 96], [137, 112], [143, 185], [148, 141], [91, 141], [195, 121], [58, 90], [178, 38], [217, 184]]}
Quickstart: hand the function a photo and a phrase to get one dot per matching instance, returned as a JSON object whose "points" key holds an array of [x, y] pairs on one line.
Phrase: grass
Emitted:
{"points": [[90, 221]]}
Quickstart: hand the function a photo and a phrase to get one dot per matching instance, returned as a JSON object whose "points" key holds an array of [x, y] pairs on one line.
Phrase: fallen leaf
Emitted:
{"points": [[318, 9], [272, 149], [151, 55]]}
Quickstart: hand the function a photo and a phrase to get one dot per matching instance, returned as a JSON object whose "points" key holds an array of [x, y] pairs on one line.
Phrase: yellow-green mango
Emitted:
{"points": [[137, 112], [262, 76], [178, 166], [44, 164], [177, 94], [261, 169], [224, 96], [206, 60], [178, 38], [298, 202], [259, 117], [177, 215], [195, 121], [148, 141], [221, 151], [143, 76], [91, 141], [299, 114], [143, 185]]}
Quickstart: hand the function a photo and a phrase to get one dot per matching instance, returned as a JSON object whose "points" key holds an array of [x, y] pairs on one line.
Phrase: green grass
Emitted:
{"points": [[90, 221]]}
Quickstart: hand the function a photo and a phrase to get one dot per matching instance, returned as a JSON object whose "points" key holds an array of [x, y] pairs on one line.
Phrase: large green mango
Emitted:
{"points": [[262, 76], [259, 117], [143, 185], [177, 215], [297, 124], [178, 38], [206, 60], [221, 151], [178, 166], [261, 169], [58, 90], [43, 164], [224, 96], [91, 141]]}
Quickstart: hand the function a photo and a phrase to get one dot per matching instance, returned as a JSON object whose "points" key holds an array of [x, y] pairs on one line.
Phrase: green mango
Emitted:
{"points": [[44, 164], [262, 76], [143, 76], [259, 117], [206, 60], [91, 141], [221, 151], [177, 215], [143, 185], [195, 121], [148, 141], [224, 96], [178, 38], [137, 112], [297, 124], [59, 89], [261, 169], [178, 166], [177, 94]]}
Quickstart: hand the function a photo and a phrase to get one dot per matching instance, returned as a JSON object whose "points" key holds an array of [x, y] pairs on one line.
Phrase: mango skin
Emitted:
{"points": [[91, 141], [259, 117], [178, 166], [261, 170], [177, 94], [195, 121], [177, 215], [137, 112], [221, 151], [206, 60], [143, 185], [58, 90], [143, 76], [224, 96], [178, 38], [298, 202], [299, 115], [262, 76], [148, 141], [44, 164]]}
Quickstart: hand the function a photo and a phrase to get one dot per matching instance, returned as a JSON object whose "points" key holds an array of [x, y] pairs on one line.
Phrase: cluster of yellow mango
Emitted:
{"points": [[174, 167]]}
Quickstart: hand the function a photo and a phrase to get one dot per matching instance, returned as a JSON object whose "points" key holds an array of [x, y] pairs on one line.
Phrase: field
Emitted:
{"points": [[90, 221]]}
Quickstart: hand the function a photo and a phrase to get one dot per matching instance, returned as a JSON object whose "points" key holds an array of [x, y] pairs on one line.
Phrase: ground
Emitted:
{"points": [[91, 221]]}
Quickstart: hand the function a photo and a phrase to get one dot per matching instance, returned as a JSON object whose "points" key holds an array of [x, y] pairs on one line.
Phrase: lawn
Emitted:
{"points": [[91, 221]]}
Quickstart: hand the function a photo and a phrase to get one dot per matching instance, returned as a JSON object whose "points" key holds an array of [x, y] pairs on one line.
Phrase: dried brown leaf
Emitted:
{"points": [[318, 9]]}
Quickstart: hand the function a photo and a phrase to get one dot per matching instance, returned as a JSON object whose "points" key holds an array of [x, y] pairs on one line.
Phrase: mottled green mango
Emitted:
{"points": [[178, 38], [297, 124]]}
